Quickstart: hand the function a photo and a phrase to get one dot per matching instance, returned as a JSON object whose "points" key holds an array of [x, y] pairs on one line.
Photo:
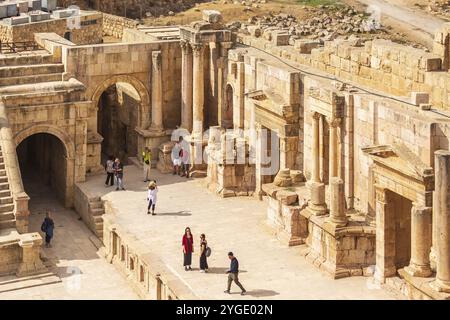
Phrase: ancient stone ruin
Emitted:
{"points": [[345, 140]]}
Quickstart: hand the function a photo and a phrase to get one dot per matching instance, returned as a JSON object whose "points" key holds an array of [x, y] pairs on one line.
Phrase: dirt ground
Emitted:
{"points": [[301, 9]]}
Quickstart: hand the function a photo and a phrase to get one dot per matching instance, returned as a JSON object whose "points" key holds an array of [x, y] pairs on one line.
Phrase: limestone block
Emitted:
{"points": [[306, 45], [418, 98], [287, 197], [211, 16]]}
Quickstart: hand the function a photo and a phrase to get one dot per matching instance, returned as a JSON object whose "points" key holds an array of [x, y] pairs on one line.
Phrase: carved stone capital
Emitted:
{"points": [[197, 49], [315, 115], [157, 59], [380, 194], [335, 123], [185, 47]]}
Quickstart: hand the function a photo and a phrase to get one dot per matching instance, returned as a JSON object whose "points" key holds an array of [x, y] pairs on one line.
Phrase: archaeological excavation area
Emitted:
{"points": [[333, 150]]}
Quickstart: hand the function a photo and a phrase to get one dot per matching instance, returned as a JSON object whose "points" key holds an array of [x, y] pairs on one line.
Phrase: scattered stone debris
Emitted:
{"points": [[439, 7], [326, 23]]}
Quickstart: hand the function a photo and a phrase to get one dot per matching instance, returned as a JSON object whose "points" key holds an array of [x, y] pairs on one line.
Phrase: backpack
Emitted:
{"points": [[208, 251], [43, 226]]}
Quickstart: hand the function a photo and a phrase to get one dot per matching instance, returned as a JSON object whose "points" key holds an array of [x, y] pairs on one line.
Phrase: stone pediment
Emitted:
{"points": [[399, 158]]}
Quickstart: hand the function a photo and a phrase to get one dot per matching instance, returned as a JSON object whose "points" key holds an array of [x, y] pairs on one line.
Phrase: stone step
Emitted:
{"points": [[12, 283], [5, 193], [7, 224], [4, 186], [7, 216], [97, 212], [96, 204], [31, 69], [2, 166], [3, 179], [6, 207], [5, 200], [39, 57], [42, 98], [10, 81], [2, 172]]}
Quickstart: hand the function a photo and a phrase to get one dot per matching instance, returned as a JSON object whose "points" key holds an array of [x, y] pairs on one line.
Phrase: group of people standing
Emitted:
{"points": [[187, 243], [180, 158], [114, 171]]}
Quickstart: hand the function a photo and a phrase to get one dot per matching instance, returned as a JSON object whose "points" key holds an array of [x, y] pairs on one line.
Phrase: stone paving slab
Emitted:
{"points": [[74, 258], [269, 270]]}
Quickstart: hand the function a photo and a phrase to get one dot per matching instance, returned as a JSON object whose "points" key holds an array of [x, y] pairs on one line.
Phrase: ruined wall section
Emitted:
{"points": [[379, 64], [114, 25]]}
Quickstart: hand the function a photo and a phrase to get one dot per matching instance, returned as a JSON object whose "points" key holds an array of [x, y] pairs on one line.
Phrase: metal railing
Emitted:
{"points": [[13, 47]]}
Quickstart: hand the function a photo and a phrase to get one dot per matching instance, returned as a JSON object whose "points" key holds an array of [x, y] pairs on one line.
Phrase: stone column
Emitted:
{"points": [[198, 92], [334, 158], [186, 86], [213, 72], [337, 202], [385, 238], [317, 188], [441, 220], [420, 242], [315, 146], [157, 95]]}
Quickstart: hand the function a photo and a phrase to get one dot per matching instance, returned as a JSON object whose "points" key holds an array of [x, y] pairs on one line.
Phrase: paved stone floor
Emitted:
{"points": [[83, 273], [269, 270]]}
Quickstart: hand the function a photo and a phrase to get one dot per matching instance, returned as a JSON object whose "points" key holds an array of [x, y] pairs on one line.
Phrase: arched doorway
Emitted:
{"points": [[43, 164], [122, 106], [227, 122]]}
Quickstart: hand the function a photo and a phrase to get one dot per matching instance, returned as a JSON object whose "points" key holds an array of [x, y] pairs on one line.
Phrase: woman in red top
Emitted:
{"points": [[188, 248]]}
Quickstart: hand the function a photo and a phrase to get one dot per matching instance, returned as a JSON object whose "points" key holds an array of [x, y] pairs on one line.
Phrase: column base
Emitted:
{"points": [[440, 286], [338, 222], [418, 271], [381, 275]]}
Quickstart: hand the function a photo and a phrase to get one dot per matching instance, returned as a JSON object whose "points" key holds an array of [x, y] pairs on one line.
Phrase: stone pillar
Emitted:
{"points": [[441, 220], [157, 95], [198, 92], [334, 158], [420, 242], [31, 262], [213, 72], [315, 148], [186, 86], [385, 238], [337, 202], [317, 188]]}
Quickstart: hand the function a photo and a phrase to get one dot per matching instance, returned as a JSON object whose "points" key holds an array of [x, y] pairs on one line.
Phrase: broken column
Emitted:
{"points": [[337, 202], [420, 242], [157, 117], [441, 220], [186, 86]]}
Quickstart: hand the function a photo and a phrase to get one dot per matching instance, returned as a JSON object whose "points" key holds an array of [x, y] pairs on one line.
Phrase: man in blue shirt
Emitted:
{"points": [[233, 273]]}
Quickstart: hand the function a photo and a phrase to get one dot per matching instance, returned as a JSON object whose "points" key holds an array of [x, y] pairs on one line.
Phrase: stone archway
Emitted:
{"points": [[122, 104], [144, 108], [47, 154]]}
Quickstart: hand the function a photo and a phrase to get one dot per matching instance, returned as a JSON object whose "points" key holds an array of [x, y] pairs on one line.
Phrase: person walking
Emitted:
{"points": [[118, 170], [147, 161], [203, 257], [47, 227], [233, 274], [188, 248], [109, 168], [151, 197]]}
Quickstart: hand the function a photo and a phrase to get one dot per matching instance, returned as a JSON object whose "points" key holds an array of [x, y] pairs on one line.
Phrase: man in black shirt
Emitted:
{"points": [[233, 273]]}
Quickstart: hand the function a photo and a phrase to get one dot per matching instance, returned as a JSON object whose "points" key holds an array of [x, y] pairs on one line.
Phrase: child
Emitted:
{"points": [[151, 197]]}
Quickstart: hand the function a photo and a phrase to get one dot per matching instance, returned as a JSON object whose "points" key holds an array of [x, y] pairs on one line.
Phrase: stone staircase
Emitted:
{"points": [[96, 211], [36, 79], [7, 218]]}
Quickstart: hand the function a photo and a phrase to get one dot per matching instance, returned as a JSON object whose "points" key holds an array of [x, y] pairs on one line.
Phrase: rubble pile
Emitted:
{"points": [[325, 22], [439, 7]]}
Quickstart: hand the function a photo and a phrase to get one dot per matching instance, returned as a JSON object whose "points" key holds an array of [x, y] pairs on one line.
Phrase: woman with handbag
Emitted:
{"points": [[203, 254]]}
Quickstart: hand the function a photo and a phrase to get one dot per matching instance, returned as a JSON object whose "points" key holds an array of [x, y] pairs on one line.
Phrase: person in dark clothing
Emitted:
{"points": [[48, 226], [188, 248], [203, 258], [233, 274], [109, 168]]}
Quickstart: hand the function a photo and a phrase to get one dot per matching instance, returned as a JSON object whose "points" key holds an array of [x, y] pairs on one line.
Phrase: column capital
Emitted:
{"points": [[334, 123], [315, 115], [197, 49], [157, 59], [380, 193], [185, 46]]}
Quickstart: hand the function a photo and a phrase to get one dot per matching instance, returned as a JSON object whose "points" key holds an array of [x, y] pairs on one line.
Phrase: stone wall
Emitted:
{"points": [[114, 25], [90, 31], [133, 8], [379, 64]]}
